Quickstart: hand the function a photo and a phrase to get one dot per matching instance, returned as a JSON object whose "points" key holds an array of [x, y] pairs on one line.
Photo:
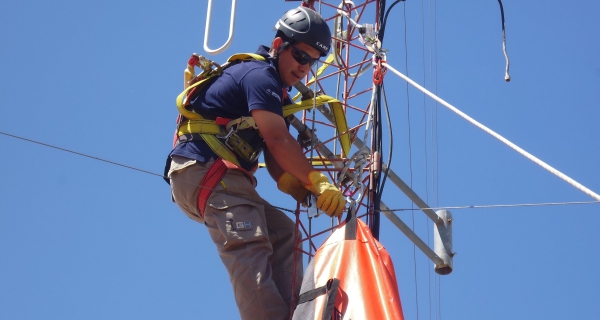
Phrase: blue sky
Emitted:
{"points": [[83, 239]]}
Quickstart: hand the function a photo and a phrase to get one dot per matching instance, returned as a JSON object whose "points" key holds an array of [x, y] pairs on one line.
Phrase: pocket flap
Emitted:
{"points": [[222, 201]]}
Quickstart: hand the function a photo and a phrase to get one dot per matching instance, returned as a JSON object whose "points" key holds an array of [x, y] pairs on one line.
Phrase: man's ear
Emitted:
{"points": [[277, 42]]}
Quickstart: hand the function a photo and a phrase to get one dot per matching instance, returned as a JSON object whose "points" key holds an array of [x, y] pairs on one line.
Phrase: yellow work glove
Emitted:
{"points": [[290, 185], [329, 198]]}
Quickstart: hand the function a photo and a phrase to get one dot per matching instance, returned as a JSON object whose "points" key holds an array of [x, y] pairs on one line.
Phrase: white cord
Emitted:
{"points": [[497, 136]]}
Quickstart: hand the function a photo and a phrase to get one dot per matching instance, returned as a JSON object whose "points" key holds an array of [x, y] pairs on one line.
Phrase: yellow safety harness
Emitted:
{"points": [[221, 134]]}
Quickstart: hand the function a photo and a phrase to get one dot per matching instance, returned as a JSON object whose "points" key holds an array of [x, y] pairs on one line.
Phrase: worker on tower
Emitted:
{"points": [[212, 178]]}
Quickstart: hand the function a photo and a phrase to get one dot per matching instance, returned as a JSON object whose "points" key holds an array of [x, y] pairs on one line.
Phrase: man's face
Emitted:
{"points": [[290, 71]]}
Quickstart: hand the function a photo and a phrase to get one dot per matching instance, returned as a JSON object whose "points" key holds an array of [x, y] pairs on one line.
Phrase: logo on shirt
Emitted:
{"points": [[273, 94]]}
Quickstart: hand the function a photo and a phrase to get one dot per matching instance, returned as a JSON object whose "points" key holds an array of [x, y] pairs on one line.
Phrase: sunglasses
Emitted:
{"points": [[302, 57]]}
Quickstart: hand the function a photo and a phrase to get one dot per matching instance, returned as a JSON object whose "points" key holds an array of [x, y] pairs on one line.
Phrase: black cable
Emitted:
{"points": [[96, 158], [83, 155], [381, 32], [293, 211], [501, 13], [379, 179], [381, 14], [377, 149], [391, 142]]}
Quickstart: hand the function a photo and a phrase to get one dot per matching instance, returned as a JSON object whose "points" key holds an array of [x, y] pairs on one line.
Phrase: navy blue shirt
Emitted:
{"points": [[243, 87]]}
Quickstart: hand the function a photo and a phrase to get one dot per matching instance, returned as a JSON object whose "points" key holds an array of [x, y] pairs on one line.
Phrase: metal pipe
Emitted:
{"points": [[411, 235], [442, 242]]}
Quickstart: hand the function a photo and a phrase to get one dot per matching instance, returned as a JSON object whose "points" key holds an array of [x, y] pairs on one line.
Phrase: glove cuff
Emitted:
{"points": [[315, 177], [284, 182]]}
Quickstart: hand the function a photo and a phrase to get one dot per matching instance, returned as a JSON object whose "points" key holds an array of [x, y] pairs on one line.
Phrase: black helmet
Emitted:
{"points": [[305, 25]]}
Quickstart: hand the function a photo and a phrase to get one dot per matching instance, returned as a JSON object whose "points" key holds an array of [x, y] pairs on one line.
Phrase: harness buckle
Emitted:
{"points": [[240, 147], [232, 130], [242, 123], [234, 142], [234, 125]]}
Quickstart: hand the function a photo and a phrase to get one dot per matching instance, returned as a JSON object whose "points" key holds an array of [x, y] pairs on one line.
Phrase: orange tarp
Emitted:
{"points": [[367, 281]]}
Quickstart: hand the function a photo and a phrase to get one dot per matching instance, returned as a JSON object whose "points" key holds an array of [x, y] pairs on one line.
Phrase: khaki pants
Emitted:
{"points": [[255, 241]]}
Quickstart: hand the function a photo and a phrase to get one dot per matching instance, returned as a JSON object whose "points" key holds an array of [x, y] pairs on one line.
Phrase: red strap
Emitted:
{"points": [[222, 121], [285, 95], [209, 182], [176, 135], [249, 175], [213, 177]]}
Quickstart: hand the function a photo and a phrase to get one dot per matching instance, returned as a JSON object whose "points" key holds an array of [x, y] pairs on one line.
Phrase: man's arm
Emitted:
{"points": [[273, 167], [284, 149], [281, 147]]}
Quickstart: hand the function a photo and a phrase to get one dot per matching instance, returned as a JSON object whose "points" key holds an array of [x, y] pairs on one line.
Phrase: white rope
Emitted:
{"points": [[360, 159], [497, 136]]}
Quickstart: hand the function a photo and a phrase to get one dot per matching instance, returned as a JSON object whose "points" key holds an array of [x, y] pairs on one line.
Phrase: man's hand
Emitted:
{"points": [[290, 185], [329, 198]]}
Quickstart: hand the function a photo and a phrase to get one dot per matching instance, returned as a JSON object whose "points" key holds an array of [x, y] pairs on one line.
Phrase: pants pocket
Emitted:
{"points": [[238, 221]]}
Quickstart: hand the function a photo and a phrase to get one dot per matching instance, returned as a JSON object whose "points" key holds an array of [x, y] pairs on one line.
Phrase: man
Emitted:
{"points": [[256, 241]]}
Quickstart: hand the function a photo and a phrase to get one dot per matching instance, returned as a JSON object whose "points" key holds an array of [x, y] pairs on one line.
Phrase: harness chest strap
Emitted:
{"points": [[209, 129]]}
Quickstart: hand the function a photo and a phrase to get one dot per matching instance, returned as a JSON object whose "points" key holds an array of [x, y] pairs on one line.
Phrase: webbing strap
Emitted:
{"points": [[336, 107], [209, 182], [213, 176], [350, 227], [182, 101], [330, 298], [330, 289], [338, 114], [206, 129], [197, 124], [182, 98]]}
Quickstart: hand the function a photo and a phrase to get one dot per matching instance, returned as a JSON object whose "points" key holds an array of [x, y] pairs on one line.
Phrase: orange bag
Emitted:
{"points": [[351, 277]]}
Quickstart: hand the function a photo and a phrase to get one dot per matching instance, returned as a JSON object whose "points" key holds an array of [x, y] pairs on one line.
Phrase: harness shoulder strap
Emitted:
{"points": [[207, 129], [245, 57], [183, 99]]}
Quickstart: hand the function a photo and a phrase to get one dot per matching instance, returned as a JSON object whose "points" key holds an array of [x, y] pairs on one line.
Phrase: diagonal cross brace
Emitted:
{"points": [[301, 127]]}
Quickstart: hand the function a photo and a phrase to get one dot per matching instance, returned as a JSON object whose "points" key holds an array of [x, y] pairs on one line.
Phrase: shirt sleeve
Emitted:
{"points": [[263, 89]]}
